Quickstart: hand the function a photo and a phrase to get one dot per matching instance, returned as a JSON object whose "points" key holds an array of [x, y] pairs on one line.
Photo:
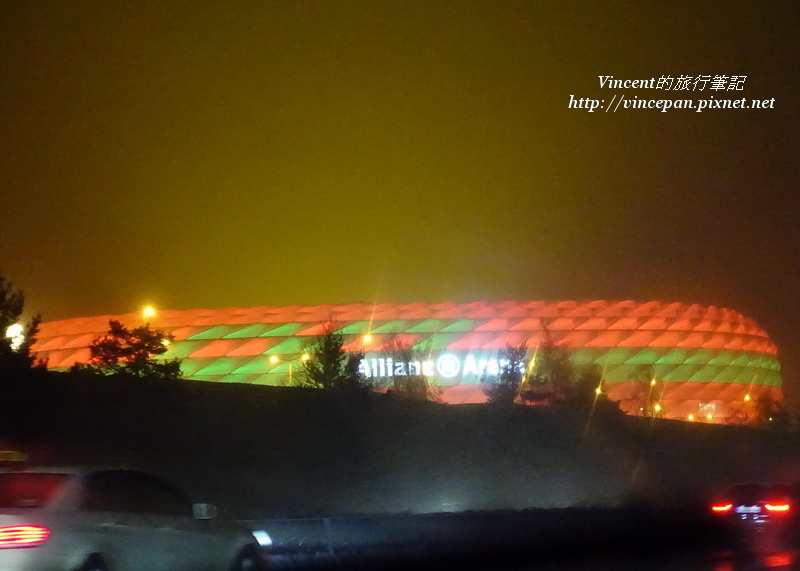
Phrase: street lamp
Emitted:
{"points": [[148, 312], [16, 335]]}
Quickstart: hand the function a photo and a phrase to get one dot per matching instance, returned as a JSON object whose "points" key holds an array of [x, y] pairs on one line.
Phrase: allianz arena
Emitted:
{"points": [[711, 364]]}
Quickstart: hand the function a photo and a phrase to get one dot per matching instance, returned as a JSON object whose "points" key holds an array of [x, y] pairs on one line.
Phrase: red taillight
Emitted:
{"points": [[721, 508], [23, 536], [777, 507]]}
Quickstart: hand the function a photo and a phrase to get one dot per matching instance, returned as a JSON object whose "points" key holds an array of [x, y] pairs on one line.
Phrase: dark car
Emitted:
{"points": [[758, 506]]}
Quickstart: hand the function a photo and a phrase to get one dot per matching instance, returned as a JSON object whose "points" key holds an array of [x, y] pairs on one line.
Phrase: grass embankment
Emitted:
{"points": [[287, 452]]}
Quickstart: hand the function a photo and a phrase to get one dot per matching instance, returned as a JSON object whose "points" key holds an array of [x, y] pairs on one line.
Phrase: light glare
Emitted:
{"points": [[16, 334]]}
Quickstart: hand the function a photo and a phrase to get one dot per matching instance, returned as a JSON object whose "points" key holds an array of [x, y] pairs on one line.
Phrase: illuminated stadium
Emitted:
{"points": [[710, 364]]}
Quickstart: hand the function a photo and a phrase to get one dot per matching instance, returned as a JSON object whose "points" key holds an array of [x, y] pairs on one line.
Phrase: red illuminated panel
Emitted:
{"points": [[655, 323], [561, 324], [628, 323], [717, 341], [446, 311], [477, 340], [667, 339], [79, 356], [577, 338], [502, 341], [532, 324], [704, 325], [682, 324], [607, 339], [218, 348], [637, 339], [494, 325], [253, 347], [594, 324], [693, 340], [314, 330]]}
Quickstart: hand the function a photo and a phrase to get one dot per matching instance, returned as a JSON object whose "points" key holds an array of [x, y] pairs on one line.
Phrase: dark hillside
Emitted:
{"points": [[272, 451]]}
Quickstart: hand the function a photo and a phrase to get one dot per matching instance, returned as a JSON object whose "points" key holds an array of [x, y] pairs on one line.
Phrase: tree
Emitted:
{"points": [[588, 383], [504, 388], [15, 350], [133, 352], [772, 413], [552, 374], [406, 377], [330, 367]]}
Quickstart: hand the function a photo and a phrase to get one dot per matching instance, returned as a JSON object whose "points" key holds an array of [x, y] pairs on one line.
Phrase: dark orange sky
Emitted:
{"points": [[209, 154]]}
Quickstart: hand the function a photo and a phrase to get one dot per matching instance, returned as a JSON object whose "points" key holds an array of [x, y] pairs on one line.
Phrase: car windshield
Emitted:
{"points": [[29, 490]]}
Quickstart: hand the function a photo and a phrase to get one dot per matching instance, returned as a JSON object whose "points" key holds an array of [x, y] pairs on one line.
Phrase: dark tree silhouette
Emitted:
{"points": [[133, 352], [405, 380], [504, 388], [330, 367], [15, 354], [551, 376]]}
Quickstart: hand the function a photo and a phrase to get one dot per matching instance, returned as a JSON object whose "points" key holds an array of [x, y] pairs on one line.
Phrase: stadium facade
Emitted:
{"points": [[708, 363]]}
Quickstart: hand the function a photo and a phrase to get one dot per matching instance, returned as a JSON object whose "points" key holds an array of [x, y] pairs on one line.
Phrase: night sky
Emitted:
{"points": [[212, 154]]}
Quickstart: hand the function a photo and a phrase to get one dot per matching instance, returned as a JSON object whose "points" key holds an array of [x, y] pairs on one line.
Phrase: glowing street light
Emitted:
{"points": [[367, 339], [691, 417], [305, 357], [657, 408], [747, 397], [148, 312], [274, 359], [16, 335]]}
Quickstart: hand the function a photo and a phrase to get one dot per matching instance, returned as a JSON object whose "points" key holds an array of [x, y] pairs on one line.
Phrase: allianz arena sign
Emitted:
{"points": [[446, 366]]}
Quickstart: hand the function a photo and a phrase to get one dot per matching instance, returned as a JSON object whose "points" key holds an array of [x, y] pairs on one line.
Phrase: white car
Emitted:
{"points": [[113, 520]]}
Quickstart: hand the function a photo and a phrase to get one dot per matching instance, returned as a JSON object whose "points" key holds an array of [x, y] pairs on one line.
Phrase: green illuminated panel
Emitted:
{"points": [[700, 356], [427, 326], [439, 342], [223, 366], [705, 375], [722, 358], [287, 346], [256, 366], [394, 326], [255, 330], [680, 373], [462, 325], [674, 357], [619, 354], [216, 332], [356, 328], [191, 366], [182, 349], [728, 375], [740, 359], [646, 356], [285, 330]]}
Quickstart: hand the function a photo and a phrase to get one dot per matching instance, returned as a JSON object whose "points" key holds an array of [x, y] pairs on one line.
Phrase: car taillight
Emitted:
{"points": [[776, 507], [721, 508], [22, 536]]}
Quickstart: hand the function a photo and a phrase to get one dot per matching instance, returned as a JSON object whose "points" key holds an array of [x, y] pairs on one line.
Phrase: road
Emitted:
{"points": [[548, 539]]}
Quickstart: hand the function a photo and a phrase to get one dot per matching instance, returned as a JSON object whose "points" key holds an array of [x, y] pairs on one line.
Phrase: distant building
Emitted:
{"points": [[707, 363]]}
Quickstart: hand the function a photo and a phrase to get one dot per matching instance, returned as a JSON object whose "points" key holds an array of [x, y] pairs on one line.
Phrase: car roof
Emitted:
{"points": [[69, 470]]}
